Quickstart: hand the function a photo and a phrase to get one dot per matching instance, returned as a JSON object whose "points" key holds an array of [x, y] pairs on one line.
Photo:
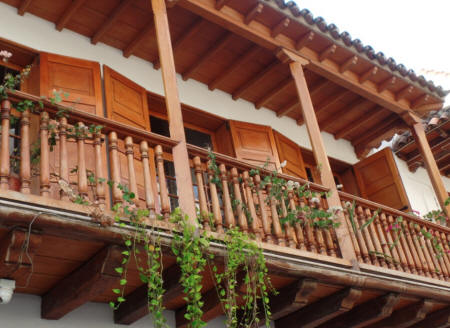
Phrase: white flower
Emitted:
{"points": [[5, 55], [339, 187], [315, 200], [283, 164], [348, 204], [290, 184], [334, 209], [296, 184]]}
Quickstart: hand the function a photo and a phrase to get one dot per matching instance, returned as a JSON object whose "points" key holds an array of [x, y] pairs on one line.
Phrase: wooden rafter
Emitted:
{"points": [[419, 101], [24, 5], [429, 107], [253, 13], [327, 52], [90, 280], [213, 51], [68, 13], [112, 17], [131, 47], [304, 40], [404, 93], [368, 74], [386, 84], [289, 107], [280, 27], [279, 89], [438, 319], [354, 106], [321, 311], [220, 4], [359, 122], [375, 129], [178, 44], [415, 156], [352, 61], [272, 67]]}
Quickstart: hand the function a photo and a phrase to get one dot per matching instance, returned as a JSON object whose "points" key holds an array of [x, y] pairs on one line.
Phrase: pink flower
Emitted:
{"points": [[416, 212], [5, 54]]}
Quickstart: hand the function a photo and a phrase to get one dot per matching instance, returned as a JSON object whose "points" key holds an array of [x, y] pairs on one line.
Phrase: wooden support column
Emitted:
{"points": [[180, 154], [326, 175]]}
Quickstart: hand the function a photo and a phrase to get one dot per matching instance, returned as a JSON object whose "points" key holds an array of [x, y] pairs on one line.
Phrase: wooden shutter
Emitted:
{"points": [[126, 101], [254, 144], [290, 152], [79, 78], [379, 180]]}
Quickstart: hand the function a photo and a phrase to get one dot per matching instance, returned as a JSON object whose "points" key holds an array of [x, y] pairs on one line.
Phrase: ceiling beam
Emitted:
{"points": [[404, 93], [374, 129], [289, 107], [416, 156], [112, 17], [352, 61], [213, 51], [386, 84], [360, 121], [368, 74], [68, 13], [136, 305], [253, 13], [261, 75], [221, 3], [283, 86], [92, 279], [304, 40], [324, 105], [321, 311], [280, 27], [437, 319], [139, 38], [419, 101], [24, 5], [356, 105], [327, 52]]}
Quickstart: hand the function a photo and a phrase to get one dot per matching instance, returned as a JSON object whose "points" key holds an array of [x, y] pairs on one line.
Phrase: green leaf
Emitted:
{"points": [[119, 270], [116, 291]]}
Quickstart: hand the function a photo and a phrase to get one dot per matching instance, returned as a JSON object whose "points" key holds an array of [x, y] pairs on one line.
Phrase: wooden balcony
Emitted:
{"points": [[395, 268]]}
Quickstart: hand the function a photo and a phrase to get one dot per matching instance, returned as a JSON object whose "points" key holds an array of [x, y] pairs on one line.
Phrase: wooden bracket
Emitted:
{"points": [[286, 57], [410, 118]]}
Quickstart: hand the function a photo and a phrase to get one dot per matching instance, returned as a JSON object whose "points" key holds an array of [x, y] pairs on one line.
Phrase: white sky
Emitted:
{"points": [[415, 33]]}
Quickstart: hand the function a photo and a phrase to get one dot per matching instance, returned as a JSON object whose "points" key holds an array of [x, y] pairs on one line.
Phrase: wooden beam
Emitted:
{"points": [[386, 84], [136, 305], [139, 38], [368, 74], [425, 108], [366, 313], [407, 316], [327, 52], [283, 86], [404, 93], [280, 27], [357, 123], [214, 50], [92, 279], [437, 319], [352, 61], [253, 13], [419, 101], [416, 156], [321, 311], [24, 5], [431, 165], [272, 67], [321, 158], [68, 13], [220, 4], [374, 129], [354, 106], [252, 51], [304, 40], [189, 33], [179, 152], [112, 17]]}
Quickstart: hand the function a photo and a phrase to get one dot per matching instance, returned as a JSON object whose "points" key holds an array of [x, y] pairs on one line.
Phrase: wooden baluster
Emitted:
{"points": [[215, 200], [389, 260], [115, 168], [262, 206], [255, 225], [82, 177], [420, 242], [45, 157], [132, 184], [99, 174], [275, 219], [288, 229], [227, 206], [311, 241], [297, 226], [445, 249], [388, 243], [315, 203], [419, 248], [399, 239], [375, 238], [5, 165], [353, 234], [163, 191], [63, 156], [204, 213], [412, 249], [242, 220], [25, 164], [435, 256], [366, 235], [440, 255], [332, 249], [148, 190]]}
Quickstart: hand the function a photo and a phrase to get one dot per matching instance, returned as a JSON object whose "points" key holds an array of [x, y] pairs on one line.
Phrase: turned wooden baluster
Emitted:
{"points": [[132, 184], [262, 207], [242, 220], [45, 157], [435, 255], [148, 190], [374, 236], [445, 249], [227, 206], [419, 248], [25, 168], [288, 229], [412, 248], [4, 152], [366, 235], [163, 191], [99, 174], [387, 255], [402, 245], [275, 219], [314, 202], [420, 242], [308, 229], [387, 243], [297, 226], [63, 156], [255, 226], [331, 246], [215, 203], [353, 233], [82, 177], [115, 168], [204, 213]]}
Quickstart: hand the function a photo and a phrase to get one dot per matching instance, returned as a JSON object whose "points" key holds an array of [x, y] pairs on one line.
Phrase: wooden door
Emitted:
{"points": [[79, 78], [126, 101], [290, 152], [254, 144], [379, 180]]}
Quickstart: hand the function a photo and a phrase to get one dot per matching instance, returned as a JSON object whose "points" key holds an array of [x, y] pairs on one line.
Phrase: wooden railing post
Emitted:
{"points": [[45, 157], [25, 165], [63, 158], [99, 174], [343, 231], [4, 154], [179, 152]]}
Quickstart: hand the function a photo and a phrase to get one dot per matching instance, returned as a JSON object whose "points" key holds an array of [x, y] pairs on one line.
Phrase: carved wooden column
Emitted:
{"points": [[179, 152], [296, 64]]}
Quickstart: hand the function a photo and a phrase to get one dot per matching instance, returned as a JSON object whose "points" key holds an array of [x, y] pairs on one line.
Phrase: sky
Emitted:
{"points": [[413, 32]]}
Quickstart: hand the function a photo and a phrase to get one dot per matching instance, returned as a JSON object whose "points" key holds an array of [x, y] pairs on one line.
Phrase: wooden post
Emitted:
{"points": [[4, 153], [343, 231], [179, 152]]}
